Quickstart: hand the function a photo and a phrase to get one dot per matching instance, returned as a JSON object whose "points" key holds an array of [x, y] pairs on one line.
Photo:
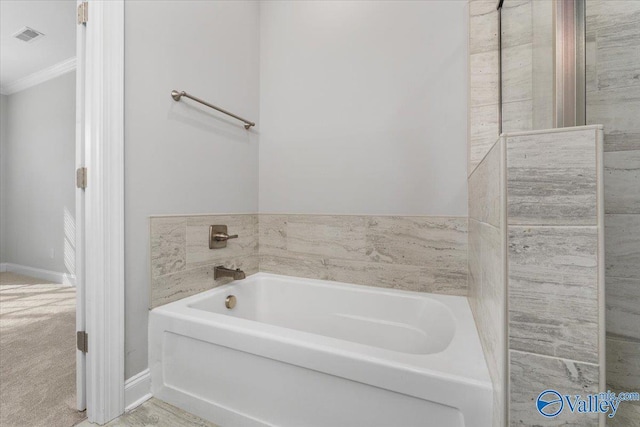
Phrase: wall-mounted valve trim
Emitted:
{"points": [[218, 236]]}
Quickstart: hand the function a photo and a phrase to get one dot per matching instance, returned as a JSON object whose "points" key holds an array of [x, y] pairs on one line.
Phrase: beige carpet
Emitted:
{"points": [[37, 353]]}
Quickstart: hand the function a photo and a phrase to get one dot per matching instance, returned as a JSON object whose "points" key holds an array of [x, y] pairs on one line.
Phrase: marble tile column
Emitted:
{"points": [[555, 286]]}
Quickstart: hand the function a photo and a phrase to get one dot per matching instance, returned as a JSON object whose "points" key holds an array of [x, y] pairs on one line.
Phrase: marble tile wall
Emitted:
{"points": [[623, 374], [551, 182], [553, 291], [527, 71], [613, 47], [528, 65], [621, 181], [426, 254], [182, 263], [555, 317], [416, 253], [487, 268], [483, 80], [613, 100], [518, 65], [530, 374]]}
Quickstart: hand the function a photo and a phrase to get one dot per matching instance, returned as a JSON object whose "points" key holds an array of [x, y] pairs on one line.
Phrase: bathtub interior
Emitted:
{"points": [[404, 322]]}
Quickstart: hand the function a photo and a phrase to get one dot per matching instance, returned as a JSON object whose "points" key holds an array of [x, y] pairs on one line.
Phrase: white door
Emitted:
{"points": [[81, 381]]}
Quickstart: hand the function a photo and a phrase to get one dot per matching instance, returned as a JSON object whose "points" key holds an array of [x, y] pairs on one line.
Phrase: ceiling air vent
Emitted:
{"points": [[28, 35]]}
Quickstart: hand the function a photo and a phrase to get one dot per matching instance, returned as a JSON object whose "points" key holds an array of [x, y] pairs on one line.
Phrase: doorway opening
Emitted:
{"points": [[42, 382]]}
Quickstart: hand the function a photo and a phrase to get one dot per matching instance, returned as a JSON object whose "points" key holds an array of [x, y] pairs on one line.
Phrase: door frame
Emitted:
{"points": [[81, 391], [100, 208]]}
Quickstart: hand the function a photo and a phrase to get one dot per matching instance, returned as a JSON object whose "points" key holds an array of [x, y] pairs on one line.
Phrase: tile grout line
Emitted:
{"points": [[546, 356]]}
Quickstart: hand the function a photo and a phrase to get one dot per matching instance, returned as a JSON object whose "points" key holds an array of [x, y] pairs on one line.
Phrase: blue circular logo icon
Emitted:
{"points": [[550, 403]]}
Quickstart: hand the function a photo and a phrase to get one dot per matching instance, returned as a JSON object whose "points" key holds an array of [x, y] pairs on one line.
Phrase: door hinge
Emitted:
{"points": [[81, 178], [83, 13], [82, 341]]}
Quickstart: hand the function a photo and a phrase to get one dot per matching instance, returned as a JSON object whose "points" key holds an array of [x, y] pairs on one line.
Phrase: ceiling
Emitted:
{"points": [[56, 19]]}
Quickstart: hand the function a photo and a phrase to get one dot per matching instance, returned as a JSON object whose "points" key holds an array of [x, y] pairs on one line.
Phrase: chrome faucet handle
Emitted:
{"points": [[223, 237]]}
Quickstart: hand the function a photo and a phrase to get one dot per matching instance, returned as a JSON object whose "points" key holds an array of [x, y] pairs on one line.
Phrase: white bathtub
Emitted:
{"points": [[304, 353]]}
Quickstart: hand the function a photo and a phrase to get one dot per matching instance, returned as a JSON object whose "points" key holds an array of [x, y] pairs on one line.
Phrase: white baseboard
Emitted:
{"points": [[38, 273], [3, 267], [137, 390]]}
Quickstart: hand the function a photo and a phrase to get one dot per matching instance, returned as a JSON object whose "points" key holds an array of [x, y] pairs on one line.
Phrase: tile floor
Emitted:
{"points": [[155, 413]]}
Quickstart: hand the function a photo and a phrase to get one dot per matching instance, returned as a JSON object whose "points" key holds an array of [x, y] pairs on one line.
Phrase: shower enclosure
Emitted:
{"points": [[542, 64], [565, 63]]}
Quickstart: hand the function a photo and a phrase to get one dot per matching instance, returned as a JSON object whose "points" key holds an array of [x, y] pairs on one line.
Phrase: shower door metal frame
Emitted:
{"points": [[569, 63]]}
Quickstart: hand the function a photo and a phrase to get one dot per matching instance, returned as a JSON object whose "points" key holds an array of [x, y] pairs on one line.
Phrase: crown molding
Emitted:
{"points": [[38, 77]]}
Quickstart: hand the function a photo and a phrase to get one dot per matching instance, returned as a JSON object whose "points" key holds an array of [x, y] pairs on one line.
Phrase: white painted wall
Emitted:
{"points": [[38, 189], [362, 107], [3, 133], [180, 157]]}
